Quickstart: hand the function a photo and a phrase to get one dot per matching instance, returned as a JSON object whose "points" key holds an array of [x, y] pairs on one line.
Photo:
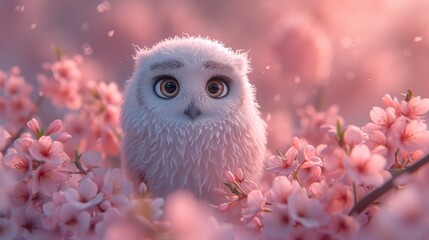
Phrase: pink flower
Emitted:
{"points": [[310, 157], [47, 150], [29, 221], [33, 124], [55, 126], [8, 185], [19, 163], [73, 220], [17, 86], [353, 135], [333, 162], [255, 204], [21, 195], [280, 190], [278, 223], [67, 69], [415, 108], [306, 211], [410, 136], [189, 219], [63, 92], [406, 215], [116, 187], [382, 119], [284, 165], [91, 160], [85, 196], [46, 178], [109, 93], [364, 167], [51, 210], [338, 198], [344, 227], [4, 137], [8, 229]]}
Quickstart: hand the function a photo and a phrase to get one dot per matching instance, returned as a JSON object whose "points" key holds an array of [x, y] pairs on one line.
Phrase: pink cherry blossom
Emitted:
{"points": [[255, 204], [85, 196], [17, 86], [415, 108], [29, 221], [46, 178], [55, 126], [33, 124], [344, 227], [4, 136], [353, 135], [21, 196], [72, 220], [8, 184], [365, 167], [333, 162], [405, 216], [310, 157], [45, 149], [338, 198], [382, 119], [189, 219], [116, 187], [410, 136], [280, 190], [67, 68], [306, 211], [91, 159], [8, 229], [278, 223], [286, 164], [19, 163]]}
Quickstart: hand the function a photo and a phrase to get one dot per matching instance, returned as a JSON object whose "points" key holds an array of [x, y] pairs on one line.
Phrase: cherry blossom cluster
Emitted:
{"points": [[54, 196], [313, 189], [95, 122], [15, 100]]}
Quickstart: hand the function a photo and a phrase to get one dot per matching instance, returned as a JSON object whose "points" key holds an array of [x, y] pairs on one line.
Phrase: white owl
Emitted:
{"points": [[188, 115]]}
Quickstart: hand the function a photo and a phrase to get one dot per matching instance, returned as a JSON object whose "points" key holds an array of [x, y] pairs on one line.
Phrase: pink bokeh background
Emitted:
{"points": [[348, 53]]}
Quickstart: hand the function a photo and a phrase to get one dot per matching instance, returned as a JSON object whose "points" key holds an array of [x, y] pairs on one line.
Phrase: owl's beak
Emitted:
{"points": [[192, 110]]}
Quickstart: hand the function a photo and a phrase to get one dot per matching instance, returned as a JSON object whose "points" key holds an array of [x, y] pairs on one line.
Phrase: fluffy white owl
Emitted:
{"points": [[188, 115]]}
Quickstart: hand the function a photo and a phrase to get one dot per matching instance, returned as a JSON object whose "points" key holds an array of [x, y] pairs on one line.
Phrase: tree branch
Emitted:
{"points": [[374, 195]]}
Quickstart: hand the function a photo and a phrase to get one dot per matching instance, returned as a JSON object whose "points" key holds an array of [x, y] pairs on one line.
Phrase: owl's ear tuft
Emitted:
{"points": [[140, 54], [241, 62]]}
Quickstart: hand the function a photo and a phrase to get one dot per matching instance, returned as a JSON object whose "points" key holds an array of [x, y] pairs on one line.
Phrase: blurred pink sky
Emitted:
{"points": [[342, 52]]}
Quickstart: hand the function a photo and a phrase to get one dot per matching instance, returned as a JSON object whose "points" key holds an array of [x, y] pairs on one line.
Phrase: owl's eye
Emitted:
{"points": [[217, 88], [167, 87]]}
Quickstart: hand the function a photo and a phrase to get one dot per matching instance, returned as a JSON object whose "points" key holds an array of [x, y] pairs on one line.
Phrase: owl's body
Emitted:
{"points": [[188, 115]]}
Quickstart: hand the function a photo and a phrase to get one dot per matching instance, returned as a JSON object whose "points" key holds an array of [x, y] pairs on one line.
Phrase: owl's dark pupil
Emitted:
{"points": [[170, 87], [213, 88]]}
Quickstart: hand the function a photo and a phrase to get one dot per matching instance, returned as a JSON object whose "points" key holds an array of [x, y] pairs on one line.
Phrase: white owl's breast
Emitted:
{"points": [[173, 156]]}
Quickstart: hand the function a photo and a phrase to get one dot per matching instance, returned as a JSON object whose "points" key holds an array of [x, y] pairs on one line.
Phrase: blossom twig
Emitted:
{"points": [[374, 195]]}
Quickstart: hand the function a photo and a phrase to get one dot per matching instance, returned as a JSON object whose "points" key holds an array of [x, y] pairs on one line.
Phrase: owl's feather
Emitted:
{"points": [[171, 151]]}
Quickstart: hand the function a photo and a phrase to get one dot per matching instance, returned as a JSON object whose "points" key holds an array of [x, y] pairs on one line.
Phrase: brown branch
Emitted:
{"points": [[374, 195]]}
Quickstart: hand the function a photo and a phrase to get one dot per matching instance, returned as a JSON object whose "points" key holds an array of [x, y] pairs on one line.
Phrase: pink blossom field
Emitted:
{"points": [[342, 85]]}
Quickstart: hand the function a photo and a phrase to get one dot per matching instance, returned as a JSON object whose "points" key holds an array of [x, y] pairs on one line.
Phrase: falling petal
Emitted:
{"points": [[103, 7], [87, 49], [418, 39], [85, 26], [110, 33]]}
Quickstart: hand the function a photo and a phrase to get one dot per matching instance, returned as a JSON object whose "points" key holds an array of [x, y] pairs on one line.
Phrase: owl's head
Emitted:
{"points": [[187, 80]]}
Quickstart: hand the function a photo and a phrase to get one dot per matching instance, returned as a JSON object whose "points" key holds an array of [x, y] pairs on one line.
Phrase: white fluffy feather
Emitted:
{"points": [[170, 151]]}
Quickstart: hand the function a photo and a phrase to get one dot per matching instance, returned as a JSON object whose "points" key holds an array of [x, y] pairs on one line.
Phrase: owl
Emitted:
{"points": [[189, 114]]}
